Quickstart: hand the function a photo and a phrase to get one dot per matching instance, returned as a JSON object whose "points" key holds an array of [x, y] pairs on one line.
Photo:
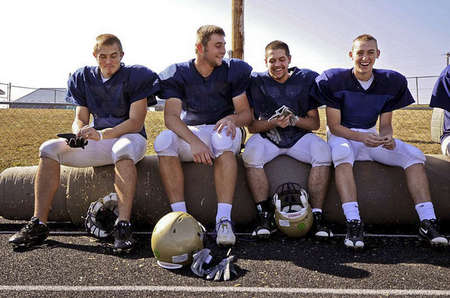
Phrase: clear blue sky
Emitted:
{"points": [[42, 41]]}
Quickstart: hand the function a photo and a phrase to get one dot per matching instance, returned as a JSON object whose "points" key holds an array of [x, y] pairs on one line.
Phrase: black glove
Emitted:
{"points": [[224, 270], [200, 258], [73, 141]]}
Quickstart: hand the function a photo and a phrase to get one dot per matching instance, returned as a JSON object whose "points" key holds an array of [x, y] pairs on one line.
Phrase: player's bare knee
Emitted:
{"points": [[164, 142], [321, 153]]}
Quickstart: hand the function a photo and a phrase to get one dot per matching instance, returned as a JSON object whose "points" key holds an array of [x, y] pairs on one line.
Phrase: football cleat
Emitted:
{"points": [[429, 230], [320, 229], [123, 237], [265, 224], [225, 234], [32, 233], [355, 234]]}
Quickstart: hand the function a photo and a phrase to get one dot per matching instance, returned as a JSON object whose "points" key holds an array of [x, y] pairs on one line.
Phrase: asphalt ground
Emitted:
{"points": [[70, 264]]}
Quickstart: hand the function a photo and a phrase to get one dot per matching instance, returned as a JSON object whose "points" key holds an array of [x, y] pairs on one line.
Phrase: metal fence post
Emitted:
{"points": [[417, 90], [8, 91]]}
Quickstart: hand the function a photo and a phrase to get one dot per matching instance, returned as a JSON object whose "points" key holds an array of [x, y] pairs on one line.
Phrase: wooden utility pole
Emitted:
{"points": [[237, 42]]}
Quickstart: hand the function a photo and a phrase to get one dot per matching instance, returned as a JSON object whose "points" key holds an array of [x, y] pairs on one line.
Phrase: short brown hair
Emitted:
{"points": [[364, 37], [204, 33], [107, 40], [278, 45]]}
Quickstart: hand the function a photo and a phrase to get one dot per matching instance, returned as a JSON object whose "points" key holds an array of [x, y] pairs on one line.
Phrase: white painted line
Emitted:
{"points": [[356, 292]]}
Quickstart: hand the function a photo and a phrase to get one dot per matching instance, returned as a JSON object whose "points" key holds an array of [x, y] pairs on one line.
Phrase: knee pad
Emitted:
{"points": [[52, 149], [413, 155], [164, 143], [342, 153], [221, 142], [321, 153], [253, 155], [445, 146], [125, 148]]}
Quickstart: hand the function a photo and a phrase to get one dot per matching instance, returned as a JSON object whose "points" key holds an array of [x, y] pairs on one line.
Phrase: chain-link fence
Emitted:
{"points": [[29, 116], [421, 88]]}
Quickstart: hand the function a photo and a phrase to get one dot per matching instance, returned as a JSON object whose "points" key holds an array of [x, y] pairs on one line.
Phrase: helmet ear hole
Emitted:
{"points": [[176, 236]]}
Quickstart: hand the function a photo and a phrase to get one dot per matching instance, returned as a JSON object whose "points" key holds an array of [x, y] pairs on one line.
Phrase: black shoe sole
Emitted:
{"points": [[122, 250], [425, 238], [29, 244]]}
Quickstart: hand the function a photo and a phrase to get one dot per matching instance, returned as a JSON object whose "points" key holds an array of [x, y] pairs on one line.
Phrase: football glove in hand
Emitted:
{"points": [[72, 140]]}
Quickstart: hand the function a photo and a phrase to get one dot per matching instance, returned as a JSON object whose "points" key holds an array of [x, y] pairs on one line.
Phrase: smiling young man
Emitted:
{"points": [[290, 135], [206, 106], [116, 96], [355, 99]]}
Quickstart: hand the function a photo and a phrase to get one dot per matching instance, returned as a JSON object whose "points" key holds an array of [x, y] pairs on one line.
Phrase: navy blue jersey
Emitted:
{"points": [[267, 95], [441, 98], [109, 102], [339, 89], [205, 100], [441, 92]]}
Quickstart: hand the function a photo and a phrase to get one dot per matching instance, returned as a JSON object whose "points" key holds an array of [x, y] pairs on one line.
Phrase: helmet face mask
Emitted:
{"points": [[293, 214], [175, 238], [101, 216]]}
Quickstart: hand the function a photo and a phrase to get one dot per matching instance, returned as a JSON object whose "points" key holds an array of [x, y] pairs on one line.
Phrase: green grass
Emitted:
{"points": [[22, 131]]}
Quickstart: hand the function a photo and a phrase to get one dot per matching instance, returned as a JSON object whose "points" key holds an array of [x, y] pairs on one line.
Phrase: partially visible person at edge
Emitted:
{"points": [[290, 135], [441, 99], [116, 95], [355, 99], [206, 105]]}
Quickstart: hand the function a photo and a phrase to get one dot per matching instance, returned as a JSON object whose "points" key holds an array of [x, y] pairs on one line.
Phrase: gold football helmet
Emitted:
{"points": [[293, 214], [175, 238]]}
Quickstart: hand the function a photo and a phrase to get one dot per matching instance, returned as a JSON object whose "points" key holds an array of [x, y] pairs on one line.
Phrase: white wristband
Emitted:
{"points": [[101, 134]]}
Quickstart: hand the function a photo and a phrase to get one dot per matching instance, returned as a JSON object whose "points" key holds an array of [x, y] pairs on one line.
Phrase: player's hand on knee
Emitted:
{"points": [[201, 153], [228, 125]]}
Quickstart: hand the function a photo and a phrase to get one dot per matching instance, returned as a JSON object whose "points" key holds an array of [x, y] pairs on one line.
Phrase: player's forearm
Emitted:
{"points": [[308, 123], [386, 131], [175, 124], [344, 132], [257, 126], [128, 126], [242, 118]]}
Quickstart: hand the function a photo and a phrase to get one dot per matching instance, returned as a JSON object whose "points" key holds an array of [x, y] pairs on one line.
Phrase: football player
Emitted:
{"points": [[285, 133], [116, 96], [441, 99], [206, 106], [355, 99]]}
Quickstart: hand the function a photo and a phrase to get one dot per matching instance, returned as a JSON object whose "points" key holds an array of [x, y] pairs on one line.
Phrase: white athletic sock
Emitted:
{"points": [[179, 206], [425, 211], [223, 211], [316, 210], [351, 211]]}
